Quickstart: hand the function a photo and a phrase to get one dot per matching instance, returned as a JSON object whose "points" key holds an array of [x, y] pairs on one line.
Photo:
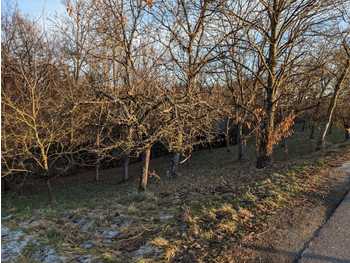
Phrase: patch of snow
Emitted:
{"points": [[110, 234], [47, 254], [121, 221], [88, 226], [6, 217], [88, 244], [85, 224], [147, 250], [85, 259], [13, 243], [165, 217]]}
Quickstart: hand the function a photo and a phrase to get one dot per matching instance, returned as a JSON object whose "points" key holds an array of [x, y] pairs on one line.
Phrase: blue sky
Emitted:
{"points": [[37, 8]]}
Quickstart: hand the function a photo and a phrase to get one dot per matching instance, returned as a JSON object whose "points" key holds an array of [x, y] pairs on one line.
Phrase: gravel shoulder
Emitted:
{"points": [[310, 231], [332, 242]]}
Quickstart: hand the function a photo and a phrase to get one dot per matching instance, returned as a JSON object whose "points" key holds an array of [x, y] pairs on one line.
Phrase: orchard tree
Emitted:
{"points": [[188, 32], [276, 31], [35, 130]]}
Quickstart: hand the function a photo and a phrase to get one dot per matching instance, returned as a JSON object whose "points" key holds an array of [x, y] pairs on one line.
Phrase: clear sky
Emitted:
{"points": [[37, 8]]}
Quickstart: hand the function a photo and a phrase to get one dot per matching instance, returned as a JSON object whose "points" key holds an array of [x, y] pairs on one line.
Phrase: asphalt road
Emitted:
{"points": [[332, 243]]}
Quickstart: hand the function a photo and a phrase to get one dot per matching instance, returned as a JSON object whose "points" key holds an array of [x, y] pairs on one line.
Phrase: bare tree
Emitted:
{"points": [[75, 31], [339, 81], [187, 32], [35, 132], [275, 30], [339, 66]]}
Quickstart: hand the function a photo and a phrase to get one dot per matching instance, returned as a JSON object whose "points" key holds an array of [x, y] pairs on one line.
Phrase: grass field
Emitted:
{"points": [[213, 203], [204, 164]]}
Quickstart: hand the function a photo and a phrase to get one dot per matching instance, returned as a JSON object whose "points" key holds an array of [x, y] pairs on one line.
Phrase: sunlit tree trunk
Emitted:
{"points": [[347, 133], [346, 127], [265, 149], [265, 145], [332, 105], [144, 175], [45, 162], [264, 152]]}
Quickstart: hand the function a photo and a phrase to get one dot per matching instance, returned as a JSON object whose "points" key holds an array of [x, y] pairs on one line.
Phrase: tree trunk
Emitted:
{"points": [[175, 160], [332, 105], [316, 111], [284, 145], [98, 159], [265, 145], [303, 126], [144, 175], [227, 134], [47, 173], [126, 161], [321, 144], [264, 153], [114, 68], [347, 133], [209, 143], [227, 142], [242, 145], [174, 164], [3, 185], [312, 133], [97, 171], [51, 196], [126, 158]]}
